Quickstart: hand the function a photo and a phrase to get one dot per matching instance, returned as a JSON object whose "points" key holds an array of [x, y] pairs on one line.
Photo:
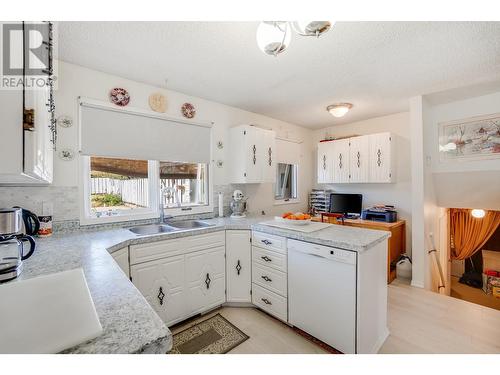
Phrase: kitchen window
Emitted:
{"points": [[116, 189], [286, 183], [184, 187]]}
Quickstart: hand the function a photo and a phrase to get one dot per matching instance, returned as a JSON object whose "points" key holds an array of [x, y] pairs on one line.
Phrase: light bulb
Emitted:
{"points": [[478, 213], [273, 37]]}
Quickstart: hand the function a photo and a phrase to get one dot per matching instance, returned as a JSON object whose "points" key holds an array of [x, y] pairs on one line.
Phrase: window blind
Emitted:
{"points": [[137, 134]]}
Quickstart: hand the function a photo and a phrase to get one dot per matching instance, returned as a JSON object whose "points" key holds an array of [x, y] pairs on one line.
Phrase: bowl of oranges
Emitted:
{"points": [[297, 218]]}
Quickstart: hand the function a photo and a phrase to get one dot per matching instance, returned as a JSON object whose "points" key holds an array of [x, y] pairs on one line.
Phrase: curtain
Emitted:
{"points": [[469, 234]]}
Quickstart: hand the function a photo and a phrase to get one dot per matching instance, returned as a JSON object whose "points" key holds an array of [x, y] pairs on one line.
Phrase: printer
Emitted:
{"points": [[384, 213]]}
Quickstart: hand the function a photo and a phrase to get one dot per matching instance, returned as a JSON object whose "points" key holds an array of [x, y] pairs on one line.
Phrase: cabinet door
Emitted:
{"points": [[325, 162], [238, 266], [253, 155], [161, 282], [268, 158], [205, 279], [359, 163], [340, 160], [380, 157]]}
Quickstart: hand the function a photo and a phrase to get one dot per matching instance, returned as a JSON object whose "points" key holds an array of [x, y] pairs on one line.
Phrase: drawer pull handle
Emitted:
{"points": [[266, 242], [161, 295], [267, 278], [266, 258], [238, 267], [207, 281], [266, 301]]}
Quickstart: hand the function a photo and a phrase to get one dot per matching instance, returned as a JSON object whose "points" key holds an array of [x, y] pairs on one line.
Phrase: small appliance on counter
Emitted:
{"points": [[238, 205], [383, 213], [12, 239], [30, 221]]}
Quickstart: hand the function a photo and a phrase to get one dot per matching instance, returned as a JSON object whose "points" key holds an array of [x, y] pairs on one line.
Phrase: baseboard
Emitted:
{"points": [[417, 284], [237, 304], [380, 342]]}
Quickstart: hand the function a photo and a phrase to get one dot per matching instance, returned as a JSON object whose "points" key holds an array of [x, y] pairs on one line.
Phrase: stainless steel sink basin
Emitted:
{"points": [[189, 224], [152, 229]]}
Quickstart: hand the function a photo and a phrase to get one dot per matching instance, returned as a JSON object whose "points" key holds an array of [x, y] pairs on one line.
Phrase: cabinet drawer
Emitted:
{"points": [[269, 241], [270, 302], [269, 278], [156, 250], [269, 258], [205, 241]]}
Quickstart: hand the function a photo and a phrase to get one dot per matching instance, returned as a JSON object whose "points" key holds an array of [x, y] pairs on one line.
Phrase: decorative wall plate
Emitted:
{"points": [[220, 145], [188, 110], [66, 154], [158, 102], [65, 121], [219, 163], [119, 96]]}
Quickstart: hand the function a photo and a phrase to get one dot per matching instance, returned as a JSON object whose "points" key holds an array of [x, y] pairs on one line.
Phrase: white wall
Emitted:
{"points": [[397, 193], [462, 184], [75, 81]]}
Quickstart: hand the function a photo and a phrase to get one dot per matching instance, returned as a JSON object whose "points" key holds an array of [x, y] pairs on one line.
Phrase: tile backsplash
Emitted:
{"points": [[65, 202]]}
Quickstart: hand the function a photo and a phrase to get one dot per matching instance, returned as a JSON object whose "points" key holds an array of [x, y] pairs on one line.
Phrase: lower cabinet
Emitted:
{"points": [[180, 286], [121, 258], [205, 280], [238, 266]]}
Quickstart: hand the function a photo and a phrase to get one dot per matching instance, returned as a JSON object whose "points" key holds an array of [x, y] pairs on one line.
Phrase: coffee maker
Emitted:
{"points": [[12, 243]]}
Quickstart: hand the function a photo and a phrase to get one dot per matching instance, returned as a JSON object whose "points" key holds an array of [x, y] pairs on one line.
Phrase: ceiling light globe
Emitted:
{"points": [[312, 28], [478, 213], [273, 37], [339, 110]]}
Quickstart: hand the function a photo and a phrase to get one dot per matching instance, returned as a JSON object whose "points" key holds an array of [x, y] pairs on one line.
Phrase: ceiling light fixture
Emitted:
{"points": [[312, 28], [478, 213], [273, 37], [339, 109]]}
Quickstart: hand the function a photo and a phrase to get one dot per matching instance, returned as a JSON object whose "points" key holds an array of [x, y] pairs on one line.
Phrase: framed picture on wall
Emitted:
{"points": [[473, 138]]}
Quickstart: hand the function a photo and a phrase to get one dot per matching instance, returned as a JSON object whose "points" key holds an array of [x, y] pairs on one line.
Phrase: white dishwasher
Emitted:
{"points": [[322, 293]]}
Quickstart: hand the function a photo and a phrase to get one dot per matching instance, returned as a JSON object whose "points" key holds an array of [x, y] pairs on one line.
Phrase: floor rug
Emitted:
{"points": [[215, 335]]}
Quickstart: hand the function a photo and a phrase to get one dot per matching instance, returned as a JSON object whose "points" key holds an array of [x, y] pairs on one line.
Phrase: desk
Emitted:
{"points": [[396, 244]]}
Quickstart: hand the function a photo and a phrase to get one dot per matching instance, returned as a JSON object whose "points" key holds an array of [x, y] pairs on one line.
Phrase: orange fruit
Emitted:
{"points": [[286, 215]]}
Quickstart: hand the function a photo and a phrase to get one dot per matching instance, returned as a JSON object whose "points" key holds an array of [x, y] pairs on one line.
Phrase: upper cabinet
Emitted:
{"points": [[28, 124], [252, 155], [363, 159]]}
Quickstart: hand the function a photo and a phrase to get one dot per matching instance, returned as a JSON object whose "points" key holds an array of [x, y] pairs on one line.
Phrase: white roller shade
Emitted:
{"points": [[138, 134], [288, 152]]}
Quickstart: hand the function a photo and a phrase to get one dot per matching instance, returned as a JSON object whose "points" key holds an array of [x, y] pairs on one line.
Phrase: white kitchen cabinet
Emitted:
{"points": [[181, 277], [340, 156], [359, 163], [325, 166], [252, 155], [238, 266], [162, 283], [27, 146], [269, 274], [362, 159], [121, 258], [381, 155], [205, 280]]}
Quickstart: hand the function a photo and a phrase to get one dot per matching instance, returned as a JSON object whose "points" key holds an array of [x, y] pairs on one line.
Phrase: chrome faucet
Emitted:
{"points": [[163, 192]]}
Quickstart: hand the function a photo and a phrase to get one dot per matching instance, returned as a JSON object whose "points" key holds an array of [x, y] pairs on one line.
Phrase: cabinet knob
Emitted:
{"points": [[266, 278], [266, 301], [358, 155], [340, 161], [270, 152], [266, 242], [379, 160], [161, 295], [324, 162], [254, 149], [208, 281], [238, 267], [266, 258]]}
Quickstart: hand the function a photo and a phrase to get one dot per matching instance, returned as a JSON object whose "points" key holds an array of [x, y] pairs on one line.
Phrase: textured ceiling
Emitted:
{"points": [[376, 66]]}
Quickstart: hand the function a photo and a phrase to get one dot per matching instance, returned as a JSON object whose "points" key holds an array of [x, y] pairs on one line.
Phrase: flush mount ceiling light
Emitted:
{"points": [[273, 37], [339, 109], [478, 213]]}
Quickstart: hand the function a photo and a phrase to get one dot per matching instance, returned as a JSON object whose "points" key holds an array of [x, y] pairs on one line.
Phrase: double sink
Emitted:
{"points": [[169, 227]]}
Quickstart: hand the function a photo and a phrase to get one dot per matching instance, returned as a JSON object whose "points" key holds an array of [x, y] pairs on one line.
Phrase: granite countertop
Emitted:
{"points": [[342, 237], [129, 324]]}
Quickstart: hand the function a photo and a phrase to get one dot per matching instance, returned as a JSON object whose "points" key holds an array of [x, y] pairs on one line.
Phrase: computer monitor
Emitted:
{"points": [[346, 204]]}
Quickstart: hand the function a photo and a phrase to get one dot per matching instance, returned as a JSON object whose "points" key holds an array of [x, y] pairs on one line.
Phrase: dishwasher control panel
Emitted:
{"points": [[327, 252]]}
